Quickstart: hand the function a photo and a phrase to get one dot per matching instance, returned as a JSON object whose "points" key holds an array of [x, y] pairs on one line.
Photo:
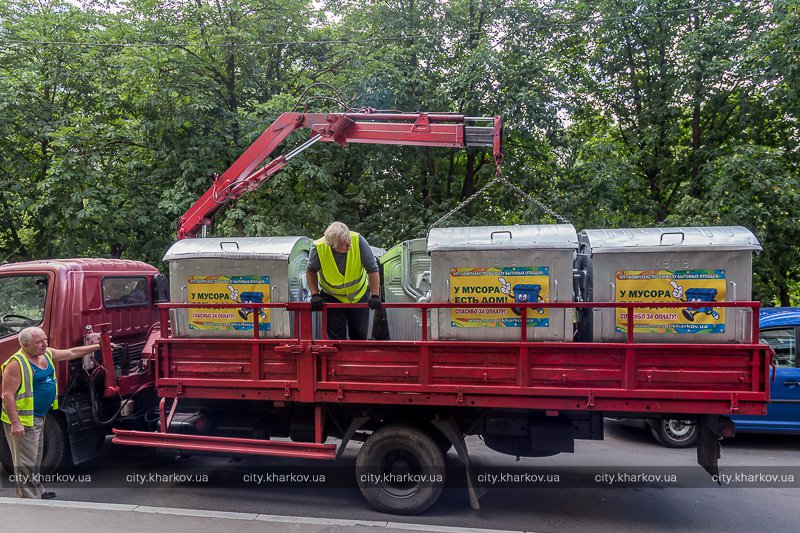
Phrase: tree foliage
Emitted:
{"points": [[116, 116]]}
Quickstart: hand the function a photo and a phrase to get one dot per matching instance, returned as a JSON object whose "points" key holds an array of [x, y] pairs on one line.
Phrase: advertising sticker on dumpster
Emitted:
{"points": [[701, 286], [499, 285], [228, 290]]}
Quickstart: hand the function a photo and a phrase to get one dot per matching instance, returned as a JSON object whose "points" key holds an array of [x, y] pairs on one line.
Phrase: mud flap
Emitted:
{"points": [[709, 429], [354, 426], [450, 430]]}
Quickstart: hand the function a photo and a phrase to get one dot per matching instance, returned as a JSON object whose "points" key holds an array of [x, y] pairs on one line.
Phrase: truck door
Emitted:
{"points": [[23, 301]]}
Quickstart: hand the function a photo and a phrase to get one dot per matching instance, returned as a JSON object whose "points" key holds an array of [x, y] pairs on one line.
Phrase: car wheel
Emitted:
{"points": [[674, 433]]}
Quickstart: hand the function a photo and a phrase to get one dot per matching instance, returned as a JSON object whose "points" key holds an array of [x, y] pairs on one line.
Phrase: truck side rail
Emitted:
{"points": [[629, 376]]}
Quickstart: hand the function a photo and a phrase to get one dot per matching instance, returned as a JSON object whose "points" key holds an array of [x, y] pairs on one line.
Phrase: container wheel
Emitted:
{"points": [[401, 470], [675, 433]]}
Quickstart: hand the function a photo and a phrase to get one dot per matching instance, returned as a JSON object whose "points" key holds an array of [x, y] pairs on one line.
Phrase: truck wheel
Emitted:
{"points": [[56, 453], [400, 470], [5, 454], [674, 433]]}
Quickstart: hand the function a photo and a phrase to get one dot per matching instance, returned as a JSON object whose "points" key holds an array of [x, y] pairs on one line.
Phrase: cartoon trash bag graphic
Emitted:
{"points": [[526, 293], [700, 295], [251, 298]]}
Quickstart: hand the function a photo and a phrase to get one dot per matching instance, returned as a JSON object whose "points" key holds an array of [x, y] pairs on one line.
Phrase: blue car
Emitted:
{"points": [[780, 328]]}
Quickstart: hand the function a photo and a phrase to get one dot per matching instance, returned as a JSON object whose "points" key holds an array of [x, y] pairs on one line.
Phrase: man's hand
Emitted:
{"points": [[17, 430], [375, 302], [316, 302]]}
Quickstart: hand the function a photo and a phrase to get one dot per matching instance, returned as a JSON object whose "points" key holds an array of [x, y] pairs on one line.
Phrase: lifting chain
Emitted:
{"points": [[544, 207], [498, 178], [463, 203]]}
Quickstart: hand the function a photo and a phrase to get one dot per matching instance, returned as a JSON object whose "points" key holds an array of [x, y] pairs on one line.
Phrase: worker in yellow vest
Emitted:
{"points": [[30, 390], [342, 269]]}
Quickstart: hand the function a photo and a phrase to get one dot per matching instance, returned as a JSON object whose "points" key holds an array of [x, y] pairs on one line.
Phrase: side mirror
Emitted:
{"points": [[160, 289]]}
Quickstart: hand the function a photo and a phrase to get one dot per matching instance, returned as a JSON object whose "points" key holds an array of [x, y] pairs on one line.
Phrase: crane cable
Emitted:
{"points": [[498, 178]]}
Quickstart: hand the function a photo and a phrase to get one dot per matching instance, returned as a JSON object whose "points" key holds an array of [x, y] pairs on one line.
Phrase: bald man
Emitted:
{"points": [[30, 390]]}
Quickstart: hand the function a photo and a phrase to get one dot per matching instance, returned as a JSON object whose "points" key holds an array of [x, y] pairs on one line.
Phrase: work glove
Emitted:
{"points": [[316, 302], [375, 302]]}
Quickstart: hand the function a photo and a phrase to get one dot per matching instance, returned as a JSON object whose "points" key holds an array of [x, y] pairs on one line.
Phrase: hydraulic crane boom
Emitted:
{"points": [[413, 129]]}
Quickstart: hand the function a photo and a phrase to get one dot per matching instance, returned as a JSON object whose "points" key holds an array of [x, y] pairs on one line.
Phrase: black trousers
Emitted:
{"points": [[344, 321]]}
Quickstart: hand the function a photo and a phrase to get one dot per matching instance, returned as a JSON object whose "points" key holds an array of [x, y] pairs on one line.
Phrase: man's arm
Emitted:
{"points": [[370, 264], [74, 353], [12, 378], [313, 282], [374, 284]]}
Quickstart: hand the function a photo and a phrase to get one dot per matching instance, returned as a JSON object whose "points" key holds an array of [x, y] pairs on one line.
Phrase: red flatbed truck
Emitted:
{"points": [[410, 401]]}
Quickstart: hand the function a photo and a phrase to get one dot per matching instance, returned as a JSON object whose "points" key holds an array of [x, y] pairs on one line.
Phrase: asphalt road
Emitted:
{"points": [[625, 483]]}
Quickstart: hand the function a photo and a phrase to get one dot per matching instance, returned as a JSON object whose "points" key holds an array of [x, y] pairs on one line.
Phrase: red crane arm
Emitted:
{"points": [[413, 129]]}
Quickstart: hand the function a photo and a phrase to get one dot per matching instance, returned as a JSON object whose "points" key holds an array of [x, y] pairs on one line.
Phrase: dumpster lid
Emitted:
{"points": [[517, 237], [696, 239], [377, 252], [275, 248]]}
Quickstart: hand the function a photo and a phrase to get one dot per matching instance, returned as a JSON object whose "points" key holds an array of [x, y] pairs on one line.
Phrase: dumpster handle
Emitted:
{"points": [[737, 316], [491, 235], [555, 290], [683, 236], [405, 266], [223, 243]]}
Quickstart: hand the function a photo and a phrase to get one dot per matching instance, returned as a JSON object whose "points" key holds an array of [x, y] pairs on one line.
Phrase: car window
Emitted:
{"points": [[125, 291], [22, 301], [782, 340]]}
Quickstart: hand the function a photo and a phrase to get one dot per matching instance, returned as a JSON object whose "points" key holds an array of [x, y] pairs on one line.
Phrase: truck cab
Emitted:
{"points": [[72, 300]]}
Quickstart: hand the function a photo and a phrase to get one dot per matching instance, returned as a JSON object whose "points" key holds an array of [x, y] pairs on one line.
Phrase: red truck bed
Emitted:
{"points": [[622, 377]]}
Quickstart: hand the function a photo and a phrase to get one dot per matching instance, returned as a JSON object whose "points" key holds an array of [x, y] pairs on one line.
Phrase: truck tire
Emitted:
{"points": [[5, 454], [400, 470], [56, 451], [674, 433]]}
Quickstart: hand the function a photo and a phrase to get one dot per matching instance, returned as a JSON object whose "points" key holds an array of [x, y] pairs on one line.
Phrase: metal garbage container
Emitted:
{"points": [[243, 270], [692, 264], [532, 263], [406, 279]]}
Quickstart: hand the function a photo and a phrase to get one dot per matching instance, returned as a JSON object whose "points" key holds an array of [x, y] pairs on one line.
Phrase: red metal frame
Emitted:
{"points": [[634, 377], [410, 129], [627, 376]]}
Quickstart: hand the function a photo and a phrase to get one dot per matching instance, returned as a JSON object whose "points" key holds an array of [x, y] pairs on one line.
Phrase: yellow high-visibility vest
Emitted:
{"points": [[349, 287], [25, 392]]}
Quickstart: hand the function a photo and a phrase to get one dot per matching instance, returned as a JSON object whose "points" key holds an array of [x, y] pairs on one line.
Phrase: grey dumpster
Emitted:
{"points": [[693, 264], [236, 270], [406, 279], [502, 264]]}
